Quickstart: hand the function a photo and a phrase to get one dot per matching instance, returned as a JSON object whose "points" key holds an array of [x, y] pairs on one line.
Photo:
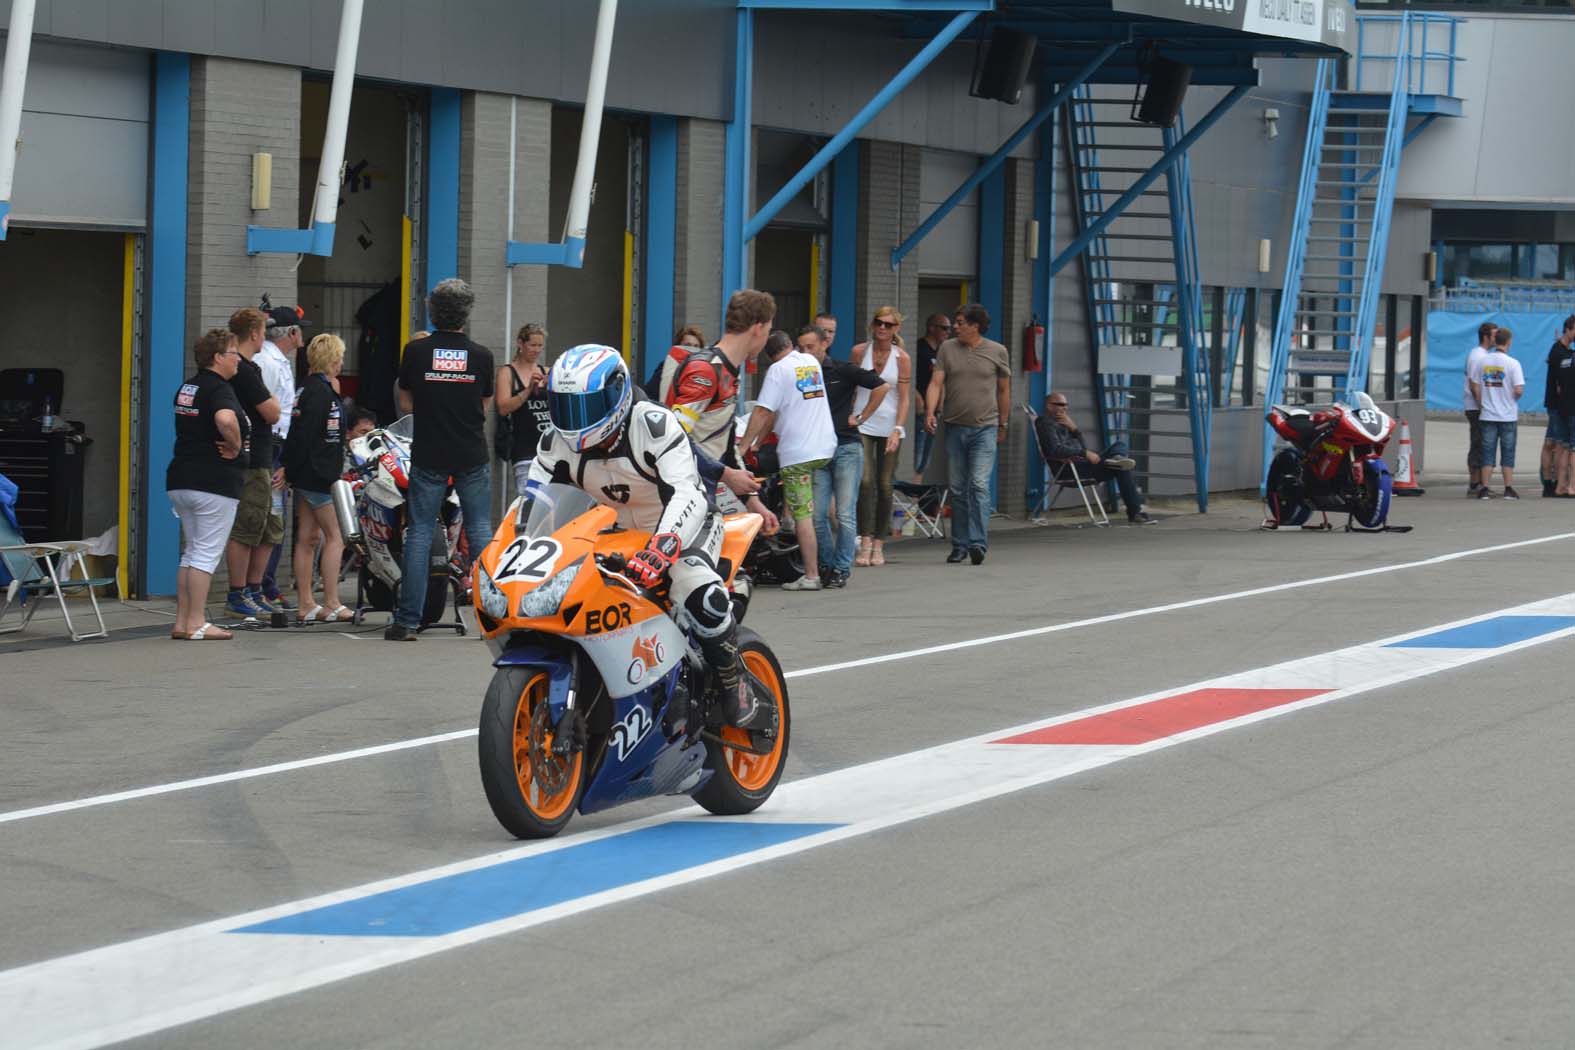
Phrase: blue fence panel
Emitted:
{"points": [[1450, 337]]}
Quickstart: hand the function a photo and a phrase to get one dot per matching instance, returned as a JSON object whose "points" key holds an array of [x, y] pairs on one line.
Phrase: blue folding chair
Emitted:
{"points": [[39, 570]]}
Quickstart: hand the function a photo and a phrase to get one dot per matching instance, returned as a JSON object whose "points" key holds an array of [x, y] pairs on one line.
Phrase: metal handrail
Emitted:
{"points": [[1416, 51]]}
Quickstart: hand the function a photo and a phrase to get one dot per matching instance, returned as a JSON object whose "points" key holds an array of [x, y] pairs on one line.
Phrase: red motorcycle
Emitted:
{"points": [[1334, 462]]}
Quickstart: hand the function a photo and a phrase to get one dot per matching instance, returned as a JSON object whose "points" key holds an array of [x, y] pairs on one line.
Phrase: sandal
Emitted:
{"points": [[179, 636], [877, 554], [209, 633], [863, 556], [310, 615], [342, 614]]}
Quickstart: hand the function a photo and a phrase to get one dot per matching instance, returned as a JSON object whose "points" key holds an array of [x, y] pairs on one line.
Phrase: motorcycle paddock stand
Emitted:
{"points": [[1351, 526]]}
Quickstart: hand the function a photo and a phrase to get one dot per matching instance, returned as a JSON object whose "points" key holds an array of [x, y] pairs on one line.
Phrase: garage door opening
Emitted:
{"points": [[357, 292], [596, 303]]}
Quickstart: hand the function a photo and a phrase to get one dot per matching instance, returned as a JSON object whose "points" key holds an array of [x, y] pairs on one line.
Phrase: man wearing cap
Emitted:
{"points": [[281, 340]]}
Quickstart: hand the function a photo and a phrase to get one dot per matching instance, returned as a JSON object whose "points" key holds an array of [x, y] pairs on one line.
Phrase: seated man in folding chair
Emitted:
{"points": [[1060, 440]]}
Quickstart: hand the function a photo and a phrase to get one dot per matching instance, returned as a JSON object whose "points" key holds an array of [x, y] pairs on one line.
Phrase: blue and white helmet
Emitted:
{"points": [[589, 395]]}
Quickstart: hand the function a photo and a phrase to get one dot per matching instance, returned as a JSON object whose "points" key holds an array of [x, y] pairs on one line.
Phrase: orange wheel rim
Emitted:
{"points": [[533, 735], [754, 772]]}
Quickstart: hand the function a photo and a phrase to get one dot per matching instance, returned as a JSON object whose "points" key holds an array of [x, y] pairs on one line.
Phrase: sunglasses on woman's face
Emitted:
{"points": [[883, 323]]}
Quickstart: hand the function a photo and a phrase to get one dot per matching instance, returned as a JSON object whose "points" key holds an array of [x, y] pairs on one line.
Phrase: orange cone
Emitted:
{"points": [[1406, 474]]}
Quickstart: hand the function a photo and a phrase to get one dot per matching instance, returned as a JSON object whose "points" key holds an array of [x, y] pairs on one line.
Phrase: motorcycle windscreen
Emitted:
{"points": [[548, 508]]}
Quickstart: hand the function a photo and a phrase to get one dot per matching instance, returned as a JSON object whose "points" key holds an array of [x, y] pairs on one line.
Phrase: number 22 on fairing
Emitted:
{"points": [[528, 559]]}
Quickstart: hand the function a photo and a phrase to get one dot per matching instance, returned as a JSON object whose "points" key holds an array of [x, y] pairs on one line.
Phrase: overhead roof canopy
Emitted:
{"points": [[1218, 38]]}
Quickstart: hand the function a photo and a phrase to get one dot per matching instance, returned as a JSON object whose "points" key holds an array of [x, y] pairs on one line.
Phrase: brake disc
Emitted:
{"points": [[550, 771]]}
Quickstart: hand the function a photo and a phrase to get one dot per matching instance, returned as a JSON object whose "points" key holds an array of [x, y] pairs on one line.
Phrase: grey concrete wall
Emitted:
{"points": [[483, 212], [238, 109], [1515, 144], [697, 269], [888, 209]]}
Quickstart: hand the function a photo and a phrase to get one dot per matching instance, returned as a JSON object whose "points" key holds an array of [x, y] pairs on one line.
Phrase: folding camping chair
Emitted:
{"points": [[1065, 475], [41, 570], [911, 499]]}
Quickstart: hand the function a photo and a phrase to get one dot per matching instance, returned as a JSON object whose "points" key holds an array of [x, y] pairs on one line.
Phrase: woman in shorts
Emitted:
{"points": [[205, 478], [314, 455]]}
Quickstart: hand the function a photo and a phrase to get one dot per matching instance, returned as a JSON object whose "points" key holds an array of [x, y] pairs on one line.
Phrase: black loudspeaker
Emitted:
{"points": [[1000, 68], [1167, 86]]}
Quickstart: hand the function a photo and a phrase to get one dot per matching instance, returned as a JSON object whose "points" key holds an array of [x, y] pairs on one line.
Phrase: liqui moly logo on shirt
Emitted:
{"points": [[450, 360]]}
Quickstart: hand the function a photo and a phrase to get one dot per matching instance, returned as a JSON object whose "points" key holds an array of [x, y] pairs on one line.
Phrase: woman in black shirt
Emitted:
{"points": [[205, 477], [522, 395], [314, 456]]}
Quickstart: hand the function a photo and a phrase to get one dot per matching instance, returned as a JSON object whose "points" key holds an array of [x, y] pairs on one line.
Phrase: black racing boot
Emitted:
{"points": [[742, 704]]}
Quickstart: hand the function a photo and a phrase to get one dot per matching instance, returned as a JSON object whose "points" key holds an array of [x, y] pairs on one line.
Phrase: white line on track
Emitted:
{"points": [[151, 984], [1033, 632]]}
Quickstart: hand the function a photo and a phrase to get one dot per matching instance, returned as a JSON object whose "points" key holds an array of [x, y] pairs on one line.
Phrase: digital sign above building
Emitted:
{"points": [[1328, 22]]}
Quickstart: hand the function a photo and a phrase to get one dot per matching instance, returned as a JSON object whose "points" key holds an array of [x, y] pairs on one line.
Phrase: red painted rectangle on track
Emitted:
{"points": [[1157, 719]]}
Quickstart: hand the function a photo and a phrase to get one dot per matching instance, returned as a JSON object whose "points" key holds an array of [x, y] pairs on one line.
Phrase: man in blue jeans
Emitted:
{"points": [[445, 382], [972, 384], [838, 481]]}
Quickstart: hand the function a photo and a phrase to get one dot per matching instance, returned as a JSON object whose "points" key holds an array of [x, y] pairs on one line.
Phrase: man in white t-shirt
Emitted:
{"points": [[281, 339], [1478, 477], [793, 402], [1497, 382]]}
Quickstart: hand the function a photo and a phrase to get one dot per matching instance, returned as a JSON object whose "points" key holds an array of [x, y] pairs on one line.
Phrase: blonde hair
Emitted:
{"points": [[528, 330], [885, 311], [325, 352]]}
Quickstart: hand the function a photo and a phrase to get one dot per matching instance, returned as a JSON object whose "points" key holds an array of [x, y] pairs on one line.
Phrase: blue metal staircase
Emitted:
{"points": [[1142, 298], [1324, 331]]}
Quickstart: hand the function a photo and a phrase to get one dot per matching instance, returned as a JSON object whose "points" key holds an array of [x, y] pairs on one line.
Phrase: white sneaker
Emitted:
{"points": [[803, 583], [1118, 462]]}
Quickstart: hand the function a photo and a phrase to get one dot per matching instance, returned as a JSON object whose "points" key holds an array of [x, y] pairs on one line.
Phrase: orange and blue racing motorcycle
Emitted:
{"points": [[599, 696]]}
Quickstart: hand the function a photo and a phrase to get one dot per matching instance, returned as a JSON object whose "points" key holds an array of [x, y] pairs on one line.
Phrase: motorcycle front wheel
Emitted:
{"points": [[532, 791], [1372, 504], [741, 781]]}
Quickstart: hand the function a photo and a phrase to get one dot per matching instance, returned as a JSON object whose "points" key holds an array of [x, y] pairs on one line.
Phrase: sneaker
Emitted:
{"points": [[1484, 493], [1141, 518], [1510, 493], [1474, 488], [398, 632], [1118, 462], [835, 578], [803, 583], [258, 599], [1548, 489], [240, 605], [957, 555], [976, 555]]}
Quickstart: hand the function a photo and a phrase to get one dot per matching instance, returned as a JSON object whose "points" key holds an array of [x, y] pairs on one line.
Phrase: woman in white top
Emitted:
{"points": [[882, 432]]}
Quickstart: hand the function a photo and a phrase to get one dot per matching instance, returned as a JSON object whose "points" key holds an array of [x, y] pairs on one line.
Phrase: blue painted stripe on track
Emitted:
{"points": [[1489, 634], [503, 891]]}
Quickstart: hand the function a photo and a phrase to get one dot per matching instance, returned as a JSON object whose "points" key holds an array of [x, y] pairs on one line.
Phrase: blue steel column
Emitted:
{"points": [[166, 311], [843, 285], [990, 292], [735, 182], [661, 242], [442, 186]]}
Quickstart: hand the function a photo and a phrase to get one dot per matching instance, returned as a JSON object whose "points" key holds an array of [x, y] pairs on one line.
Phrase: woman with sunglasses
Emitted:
{"points": [[881, 431]]}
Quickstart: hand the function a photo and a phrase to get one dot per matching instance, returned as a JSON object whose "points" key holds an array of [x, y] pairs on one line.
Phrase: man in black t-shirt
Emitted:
{"points": [[937, 330], [1558, 462], [445, 383], [257, 529]]}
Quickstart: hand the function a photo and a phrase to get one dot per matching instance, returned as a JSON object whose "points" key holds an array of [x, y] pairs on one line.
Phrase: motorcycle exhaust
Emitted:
{"points": [[344, 512]]}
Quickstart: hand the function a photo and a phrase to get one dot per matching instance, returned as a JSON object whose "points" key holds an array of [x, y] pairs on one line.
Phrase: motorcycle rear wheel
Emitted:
{"points": [[741, 782], [514, 746]]}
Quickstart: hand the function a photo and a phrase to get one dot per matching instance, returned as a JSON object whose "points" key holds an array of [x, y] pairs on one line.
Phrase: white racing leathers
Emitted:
{"points": [[650, 478]]}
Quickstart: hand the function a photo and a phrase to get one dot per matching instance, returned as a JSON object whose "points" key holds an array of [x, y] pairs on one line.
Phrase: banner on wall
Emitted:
{"points": [[1451, 336]]}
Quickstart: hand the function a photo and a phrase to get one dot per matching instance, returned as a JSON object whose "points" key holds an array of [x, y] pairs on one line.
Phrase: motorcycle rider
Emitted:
{"points": [[633, 455]]}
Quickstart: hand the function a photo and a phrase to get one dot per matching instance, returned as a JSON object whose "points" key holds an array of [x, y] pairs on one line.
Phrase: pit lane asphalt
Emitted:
{"points": [[1388, 871]]}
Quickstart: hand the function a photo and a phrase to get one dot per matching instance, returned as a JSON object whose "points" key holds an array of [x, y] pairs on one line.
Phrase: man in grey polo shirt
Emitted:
{"points": [[972, 384]]}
